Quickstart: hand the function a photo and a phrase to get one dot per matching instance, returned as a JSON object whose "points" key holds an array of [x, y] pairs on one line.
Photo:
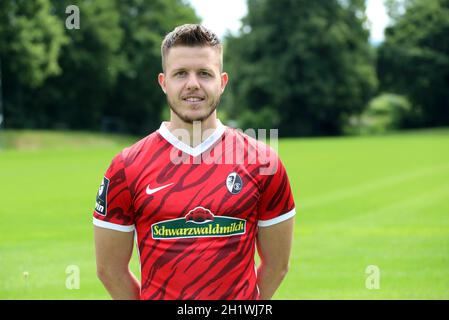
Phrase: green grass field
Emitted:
{"points": [[381, 200]]}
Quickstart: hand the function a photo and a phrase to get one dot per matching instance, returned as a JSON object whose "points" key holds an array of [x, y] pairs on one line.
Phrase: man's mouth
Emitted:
{"points": [[193, 99]]}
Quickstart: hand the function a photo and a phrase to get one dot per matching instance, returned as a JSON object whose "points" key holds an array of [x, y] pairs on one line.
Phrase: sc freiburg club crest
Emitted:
{"points": [[234, 183]]}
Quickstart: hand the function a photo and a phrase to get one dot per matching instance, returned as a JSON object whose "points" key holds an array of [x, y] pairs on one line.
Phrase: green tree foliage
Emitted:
{"points": [[91, 62], [310, 61], [107, 68], [414, 60], [137, 100], [30, 44], [30, 40], [88, 62]]}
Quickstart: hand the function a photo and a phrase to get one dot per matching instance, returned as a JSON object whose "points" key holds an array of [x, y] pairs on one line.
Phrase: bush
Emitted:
{"points": [[384, 113]]}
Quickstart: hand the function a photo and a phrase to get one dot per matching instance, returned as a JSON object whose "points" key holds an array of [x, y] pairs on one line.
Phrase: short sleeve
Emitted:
{"points": [[276, 203], [113, 207]]}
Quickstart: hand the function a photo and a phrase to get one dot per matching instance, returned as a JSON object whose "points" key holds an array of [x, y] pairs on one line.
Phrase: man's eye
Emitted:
{"points": [[205, 74], [180, 74]]}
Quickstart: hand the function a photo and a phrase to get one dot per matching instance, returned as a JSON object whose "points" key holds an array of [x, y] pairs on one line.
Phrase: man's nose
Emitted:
{"points": [[192, 82]]}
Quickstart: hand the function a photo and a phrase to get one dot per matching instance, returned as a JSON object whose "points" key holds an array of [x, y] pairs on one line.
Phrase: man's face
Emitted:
{"points": [[193, 82]]}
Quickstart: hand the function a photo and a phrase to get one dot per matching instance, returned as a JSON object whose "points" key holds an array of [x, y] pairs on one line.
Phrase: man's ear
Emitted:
{"points": [[161, 80], [224, 81]]}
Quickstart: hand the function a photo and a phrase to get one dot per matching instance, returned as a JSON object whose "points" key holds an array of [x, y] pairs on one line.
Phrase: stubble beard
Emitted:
{"points": [[211, 108]]}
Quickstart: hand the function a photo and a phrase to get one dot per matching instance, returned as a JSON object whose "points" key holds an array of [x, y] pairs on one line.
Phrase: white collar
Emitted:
{"points": [[199, 149]]}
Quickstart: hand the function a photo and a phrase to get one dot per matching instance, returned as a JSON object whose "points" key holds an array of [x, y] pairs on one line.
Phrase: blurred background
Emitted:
{"points": [[359, 91], [311, 69]]}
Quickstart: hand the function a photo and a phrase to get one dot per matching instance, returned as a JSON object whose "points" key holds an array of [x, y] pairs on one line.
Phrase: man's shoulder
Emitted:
{"points": [[131, 153], [256, 150], [251, 139]]}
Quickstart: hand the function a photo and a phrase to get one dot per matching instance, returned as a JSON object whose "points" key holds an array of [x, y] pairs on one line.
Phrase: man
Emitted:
{"points": [[197, 218]]}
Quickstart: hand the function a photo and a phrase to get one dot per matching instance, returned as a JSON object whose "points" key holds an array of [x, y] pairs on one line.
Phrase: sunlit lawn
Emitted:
{"points": [[361, 201]]}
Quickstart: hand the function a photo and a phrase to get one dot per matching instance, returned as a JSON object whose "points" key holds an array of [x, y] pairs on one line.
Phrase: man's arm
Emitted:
{"points": [[113, 253], [273, 245]]}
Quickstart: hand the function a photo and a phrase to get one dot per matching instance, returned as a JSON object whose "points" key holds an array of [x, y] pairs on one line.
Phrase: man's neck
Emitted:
{"points": [[198, 131]]}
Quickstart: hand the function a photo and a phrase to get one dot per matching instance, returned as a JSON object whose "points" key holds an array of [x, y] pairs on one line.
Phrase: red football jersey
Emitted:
{"points": [[195, 211]]}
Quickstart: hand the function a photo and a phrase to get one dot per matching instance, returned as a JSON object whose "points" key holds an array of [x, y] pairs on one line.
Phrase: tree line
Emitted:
{"points": [[306, 67]]}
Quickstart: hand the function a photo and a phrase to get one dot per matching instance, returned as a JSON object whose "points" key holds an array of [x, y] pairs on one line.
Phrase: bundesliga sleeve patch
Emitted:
{"points": [[101, 204]]}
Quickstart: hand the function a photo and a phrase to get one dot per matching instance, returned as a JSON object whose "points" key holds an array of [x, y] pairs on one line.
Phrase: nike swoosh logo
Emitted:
{"points": [[151, 191]]}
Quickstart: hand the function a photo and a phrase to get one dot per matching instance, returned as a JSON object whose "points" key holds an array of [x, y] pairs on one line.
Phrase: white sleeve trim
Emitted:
{"points": [[281, 218], [112, 226]]}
